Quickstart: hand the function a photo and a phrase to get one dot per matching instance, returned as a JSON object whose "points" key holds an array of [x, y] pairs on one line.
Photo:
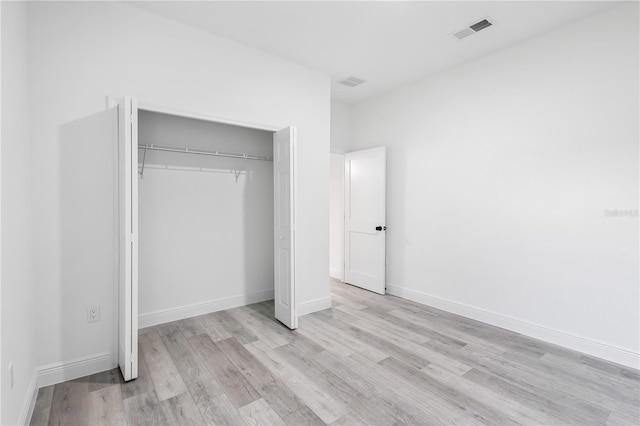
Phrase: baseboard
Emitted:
{"points": [[62, 371], [335, 273], [29, 401], [182, 312], [314, 306], [571, 341]]}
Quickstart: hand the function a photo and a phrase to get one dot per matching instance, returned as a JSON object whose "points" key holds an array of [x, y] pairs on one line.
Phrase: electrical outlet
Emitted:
{"points": [[93, 313], [11, 374]]}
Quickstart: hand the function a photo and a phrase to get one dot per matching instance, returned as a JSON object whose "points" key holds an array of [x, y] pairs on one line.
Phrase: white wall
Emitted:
{"points": [[340, 143], [204, 238], [80, 52], [336, 217], [340, 127], [499, 175], [18, 314]]}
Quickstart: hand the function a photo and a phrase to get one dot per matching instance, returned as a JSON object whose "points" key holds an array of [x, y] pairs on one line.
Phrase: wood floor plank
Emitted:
{"points": [[144, 409], [254, 324], [103, 379], [365, 317], [510, 408], [329, 408], [260, 413], [407, 351], [142, 384], [365, 386], [236, 387], [181, 410], [40, 416], [211, 325], [567, 409], [359, 404], [166, 379], [303, 417], [543, 381], [106, 406], [268, 321], [220, 411], [272, 389], [190, 326], [328, 341], [618, 386], [70, 404], [162, 329], [238, 331], [628, 417], [353, 338], [406, 399], [371, 359], [413, 322], [455, 397], [350, 419], [194, 373]]}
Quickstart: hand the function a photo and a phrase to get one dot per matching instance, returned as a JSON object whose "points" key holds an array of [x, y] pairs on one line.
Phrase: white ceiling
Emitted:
{"points": [[387, 43]]}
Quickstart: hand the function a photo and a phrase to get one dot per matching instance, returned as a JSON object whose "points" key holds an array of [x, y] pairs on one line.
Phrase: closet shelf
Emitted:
{"points": [[153, 147]]}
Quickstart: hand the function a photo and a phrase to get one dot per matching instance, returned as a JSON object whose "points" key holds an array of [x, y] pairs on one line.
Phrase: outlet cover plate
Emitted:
{"points": [[93, 313]]}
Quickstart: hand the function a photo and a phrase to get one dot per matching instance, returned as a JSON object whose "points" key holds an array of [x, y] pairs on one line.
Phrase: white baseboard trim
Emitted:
{"points": [[29, 401], [571, 341], [314, 306], [182, 312], [335, 273], [62, 371]]}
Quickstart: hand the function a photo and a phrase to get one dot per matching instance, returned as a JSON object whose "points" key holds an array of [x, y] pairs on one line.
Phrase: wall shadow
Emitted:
{"points": [[88, 232]]}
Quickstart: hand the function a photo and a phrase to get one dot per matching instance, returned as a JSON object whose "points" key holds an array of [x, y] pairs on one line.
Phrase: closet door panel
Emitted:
{"points": [[128, 230], [283, 169]]}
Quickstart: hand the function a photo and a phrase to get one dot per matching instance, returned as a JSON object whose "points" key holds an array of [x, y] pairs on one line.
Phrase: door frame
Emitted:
{"points": [[112, 102]]}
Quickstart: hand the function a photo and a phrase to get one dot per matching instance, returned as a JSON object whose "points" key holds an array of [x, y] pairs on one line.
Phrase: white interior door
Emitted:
{"points": [[284, 227], [128, 230], [365, 217]]}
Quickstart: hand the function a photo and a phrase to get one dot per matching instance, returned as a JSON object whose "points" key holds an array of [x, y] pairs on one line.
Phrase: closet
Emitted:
{"points": [[205, 221], [206, 214]]}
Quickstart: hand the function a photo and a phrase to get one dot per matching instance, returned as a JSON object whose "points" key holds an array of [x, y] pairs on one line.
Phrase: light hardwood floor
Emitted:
{"points": [[371, 359]]}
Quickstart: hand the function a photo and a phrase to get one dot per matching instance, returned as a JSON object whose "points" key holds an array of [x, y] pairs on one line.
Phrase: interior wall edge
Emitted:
{"points": [[29, 400], [584, 345], [189, 311]]}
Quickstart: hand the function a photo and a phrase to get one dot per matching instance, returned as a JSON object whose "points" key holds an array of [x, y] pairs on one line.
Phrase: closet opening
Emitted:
{"points": [[205, 216], [206, 220]]}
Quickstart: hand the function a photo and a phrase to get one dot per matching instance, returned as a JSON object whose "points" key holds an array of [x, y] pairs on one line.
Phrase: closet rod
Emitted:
{"points": [[153, 147]]}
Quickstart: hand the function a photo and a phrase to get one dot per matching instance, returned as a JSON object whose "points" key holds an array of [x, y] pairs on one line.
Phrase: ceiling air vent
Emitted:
{"points": [[351, 81], [472, 29]]}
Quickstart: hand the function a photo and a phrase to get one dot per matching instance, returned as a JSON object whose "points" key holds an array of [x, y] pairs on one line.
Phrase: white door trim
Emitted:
{"points": [[210, 117]]}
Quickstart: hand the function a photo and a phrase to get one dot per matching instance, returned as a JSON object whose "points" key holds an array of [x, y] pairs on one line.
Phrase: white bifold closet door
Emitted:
{"points": [[128, 233], [284, 227]]}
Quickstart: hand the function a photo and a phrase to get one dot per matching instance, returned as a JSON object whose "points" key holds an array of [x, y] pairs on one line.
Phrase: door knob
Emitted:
{"points": [[381, 228], [281, 237]]}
